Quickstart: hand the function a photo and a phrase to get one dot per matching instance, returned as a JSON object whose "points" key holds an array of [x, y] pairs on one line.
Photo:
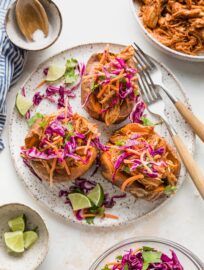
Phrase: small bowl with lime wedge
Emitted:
{"points": [[23, 238]]}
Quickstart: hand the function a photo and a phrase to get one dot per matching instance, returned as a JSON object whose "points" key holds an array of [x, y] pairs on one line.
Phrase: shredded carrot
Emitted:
{"points": [[113, 263], [52, 170], [159, 189], [40, 84], [110, 216], [130, 180], [87, 146], [102, 91], [88, 215], [66, 167]]}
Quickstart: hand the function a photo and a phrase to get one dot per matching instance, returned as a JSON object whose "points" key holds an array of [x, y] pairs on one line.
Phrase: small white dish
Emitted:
{"points": [[31, 258], [55, 27], [135, 6]]}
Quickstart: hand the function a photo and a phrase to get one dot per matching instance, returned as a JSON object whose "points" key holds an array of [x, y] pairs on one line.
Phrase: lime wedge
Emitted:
{"points": [[96, 195], [23, 104], [17, 224], [55, 72], [30, 237], [79, 201], [14, 241]]}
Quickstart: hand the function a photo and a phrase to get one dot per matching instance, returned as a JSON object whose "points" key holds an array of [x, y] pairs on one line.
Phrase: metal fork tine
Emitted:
{"points": [[149, 87], [151, 64], [141, 61], [153, 92], [146, 88], [143, 93]]}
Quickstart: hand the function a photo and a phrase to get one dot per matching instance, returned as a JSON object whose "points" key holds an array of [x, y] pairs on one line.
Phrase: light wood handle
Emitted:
{"points": [[190, 164], [193, 121]]}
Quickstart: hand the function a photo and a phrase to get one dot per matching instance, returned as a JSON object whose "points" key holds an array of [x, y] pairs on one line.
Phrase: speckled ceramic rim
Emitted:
{"points": [[134, 240], [169, 51], [60, 30], [43, 222], [90, 225]]}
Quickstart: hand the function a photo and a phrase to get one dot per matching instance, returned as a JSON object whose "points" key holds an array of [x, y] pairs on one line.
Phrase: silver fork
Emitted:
{"points": [[156, 106], [154, 76]]}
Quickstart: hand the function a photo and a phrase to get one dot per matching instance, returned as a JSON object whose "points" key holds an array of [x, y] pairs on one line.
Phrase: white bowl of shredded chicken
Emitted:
{"points": [[176, 27]]}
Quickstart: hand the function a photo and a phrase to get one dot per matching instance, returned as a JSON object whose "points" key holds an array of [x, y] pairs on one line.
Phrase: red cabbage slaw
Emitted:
{"points": [[60, 139], [145, 258], [112, 70], [141, 158]]}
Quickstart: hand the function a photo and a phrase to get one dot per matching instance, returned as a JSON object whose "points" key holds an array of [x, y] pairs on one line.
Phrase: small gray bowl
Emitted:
{"points": [[55, 28], [31, 258]]}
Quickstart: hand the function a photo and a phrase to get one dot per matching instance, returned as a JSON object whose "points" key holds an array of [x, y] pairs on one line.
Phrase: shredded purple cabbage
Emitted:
{"points": [[135, 261], [37, 98], [138, 110]]}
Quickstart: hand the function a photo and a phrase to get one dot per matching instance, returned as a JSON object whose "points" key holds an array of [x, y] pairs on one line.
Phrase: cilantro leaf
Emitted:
{"points": [[150, 257], [119, 258], [169, 189], [34, 118], [106, 267], [126, 169], [70, 127], [71, 63], [70, 75], [120, 143], [43, 124], [90, 220], [145, 248], [146, 121], [126, 267], [94, 86]]}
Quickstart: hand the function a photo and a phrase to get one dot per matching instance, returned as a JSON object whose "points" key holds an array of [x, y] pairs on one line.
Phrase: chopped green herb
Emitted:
{"points": [[146, 121], [34, 118], [94, 86], [106, 268], [70, 75], [120, 143], [43, 124], [70, 127], [169, 190], [71, 63], [126, 169], [126, 267], [150, 257], [101, 78], [90, 220], [145, 248], [136, 92], [119, 258]]}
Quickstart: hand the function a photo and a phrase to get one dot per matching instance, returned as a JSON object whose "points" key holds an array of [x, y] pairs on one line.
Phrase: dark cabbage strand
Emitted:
{"points": [[138, 110], [109, 201]]}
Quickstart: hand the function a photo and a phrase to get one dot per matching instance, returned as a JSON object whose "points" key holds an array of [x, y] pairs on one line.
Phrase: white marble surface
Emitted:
{"points": [[181, 220]]}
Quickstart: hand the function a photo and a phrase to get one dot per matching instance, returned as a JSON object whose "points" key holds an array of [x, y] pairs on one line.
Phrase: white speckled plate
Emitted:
{"points": [[34, 256], [129, 209]]}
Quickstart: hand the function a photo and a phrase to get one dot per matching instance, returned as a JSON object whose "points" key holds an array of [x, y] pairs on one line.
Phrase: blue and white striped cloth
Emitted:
{"points": [[12, 61]]}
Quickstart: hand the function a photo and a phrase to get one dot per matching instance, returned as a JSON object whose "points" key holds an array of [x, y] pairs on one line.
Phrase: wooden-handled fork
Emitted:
{"points": [[155, 105], [146, 63]]}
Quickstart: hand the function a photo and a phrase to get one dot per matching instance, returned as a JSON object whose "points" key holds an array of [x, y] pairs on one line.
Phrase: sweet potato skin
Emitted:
{"points": [[60, 174], [92, 107]]}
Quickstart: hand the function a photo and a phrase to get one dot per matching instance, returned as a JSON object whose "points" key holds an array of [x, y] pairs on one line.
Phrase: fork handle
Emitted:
{"points": [[190, 164], [192, 120]]}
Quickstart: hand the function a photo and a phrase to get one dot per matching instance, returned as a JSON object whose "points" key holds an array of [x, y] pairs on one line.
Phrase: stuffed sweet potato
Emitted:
{"points": [[139, 161], [109, 86], [60, 147]]}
